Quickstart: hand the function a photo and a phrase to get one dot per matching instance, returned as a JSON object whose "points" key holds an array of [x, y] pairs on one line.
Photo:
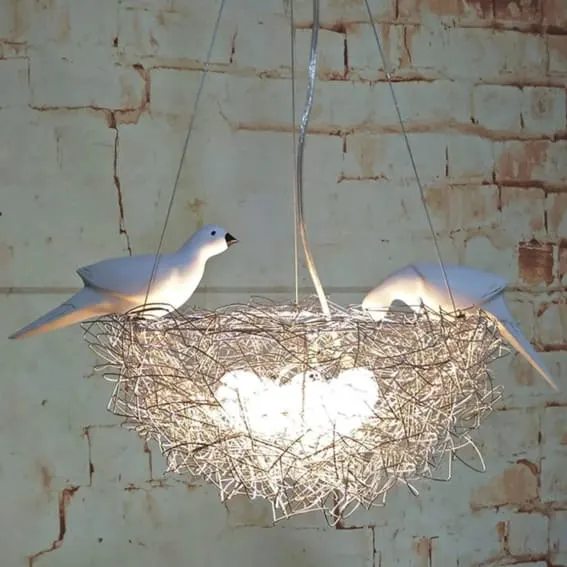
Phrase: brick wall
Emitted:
{"points": [[95, 99]]}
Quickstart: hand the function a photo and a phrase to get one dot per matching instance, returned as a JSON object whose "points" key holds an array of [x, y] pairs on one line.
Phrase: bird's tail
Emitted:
{"points": [[83, 305], [516, 338]]}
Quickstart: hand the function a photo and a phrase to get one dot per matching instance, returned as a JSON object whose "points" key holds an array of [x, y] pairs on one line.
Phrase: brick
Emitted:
{"points": [[46, 447], [554, 457], [527, 534], [377, 212], [14, 86], [491, 243], [513, 433], [253, 37], [173, 93], [337, 105], [525, 375], [345, 547], [134, 520], [259, 103], [87, 78], [146, 191], [557, 45], [551, 321], [497, 107], [92, 24], [46, 404], [7, 20], [463, 208], [543, 109], [557, 538], [386, 157], [556, 207], [481, 54], [428, 104], [364, 59], [512, 452], [538, 160], [246, 512], [523, 214], [535, 262], [38, 22], [162, 33], [555, 13], [470, 159], [118, 457], [417, 10], [67, 23], [69, 154], [528, 11], [399, 548], [485, 539], [516, 486], [336, 11]]}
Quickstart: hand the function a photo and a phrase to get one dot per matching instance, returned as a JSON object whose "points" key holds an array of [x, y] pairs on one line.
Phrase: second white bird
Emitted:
{"points": [[423, 283]]}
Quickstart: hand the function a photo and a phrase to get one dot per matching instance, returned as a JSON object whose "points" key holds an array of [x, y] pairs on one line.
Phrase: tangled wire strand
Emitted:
{"points": [[276, 401]]}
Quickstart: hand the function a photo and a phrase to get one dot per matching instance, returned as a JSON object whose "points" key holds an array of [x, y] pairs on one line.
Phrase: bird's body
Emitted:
{"points": [[424, 284], [119, 285]]}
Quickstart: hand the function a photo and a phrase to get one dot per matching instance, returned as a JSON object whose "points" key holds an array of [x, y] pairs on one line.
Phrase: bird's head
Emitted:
{"points": [[212, 240]]}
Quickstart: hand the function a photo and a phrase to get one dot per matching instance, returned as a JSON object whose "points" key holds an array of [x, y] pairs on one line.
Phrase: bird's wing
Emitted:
{"points": [[127, 276], [467, 284], [511, 331]]}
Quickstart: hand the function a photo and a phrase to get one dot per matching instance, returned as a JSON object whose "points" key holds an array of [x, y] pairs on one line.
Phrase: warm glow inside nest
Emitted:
{"points": [[276, 401]]}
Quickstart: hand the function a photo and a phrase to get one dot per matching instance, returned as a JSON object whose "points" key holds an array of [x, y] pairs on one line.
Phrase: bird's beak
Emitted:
{"points": [[230, 240]]}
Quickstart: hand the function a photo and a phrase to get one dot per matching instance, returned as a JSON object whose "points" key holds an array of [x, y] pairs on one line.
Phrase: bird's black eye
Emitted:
{"points": [[213, 232]]}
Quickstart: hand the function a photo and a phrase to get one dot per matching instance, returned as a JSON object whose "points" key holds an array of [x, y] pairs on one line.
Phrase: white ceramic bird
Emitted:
{"points": [[424, 284], [118, 285]]}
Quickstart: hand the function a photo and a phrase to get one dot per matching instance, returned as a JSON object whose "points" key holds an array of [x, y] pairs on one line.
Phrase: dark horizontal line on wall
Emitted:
{"points": [[487, 23], [257, 290], [335, 73], [246, 290]]}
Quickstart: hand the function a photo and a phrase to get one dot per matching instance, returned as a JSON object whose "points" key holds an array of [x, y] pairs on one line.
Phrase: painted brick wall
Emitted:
{"points": [[95, 99]]}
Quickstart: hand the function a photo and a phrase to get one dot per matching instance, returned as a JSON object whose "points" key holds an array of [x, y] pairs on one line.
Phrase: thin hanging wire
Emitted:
{"points": [[311, 76], [408, 147], [185, 146], [294, 151]]}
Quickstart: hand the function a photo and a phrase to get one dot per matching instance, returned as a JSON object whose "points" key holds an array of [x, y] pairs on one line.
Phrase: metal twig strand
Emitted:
{"points": [[280, 402]]}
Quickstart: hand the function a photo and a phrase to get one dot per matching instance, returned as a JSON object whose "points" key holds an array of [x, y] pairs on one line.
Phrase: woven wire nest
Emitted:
{"points": [[279, 402]]}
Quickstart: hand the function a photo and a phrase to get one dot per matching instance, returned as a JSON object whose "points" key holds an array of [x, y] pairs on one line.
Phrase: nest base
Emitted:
{"points": [[276, 401]]}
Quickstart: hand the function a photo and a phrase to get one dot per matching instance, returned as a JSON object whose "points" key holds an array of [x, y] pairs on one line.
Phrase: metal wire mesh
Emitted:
{"points": [[279, 402]]}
